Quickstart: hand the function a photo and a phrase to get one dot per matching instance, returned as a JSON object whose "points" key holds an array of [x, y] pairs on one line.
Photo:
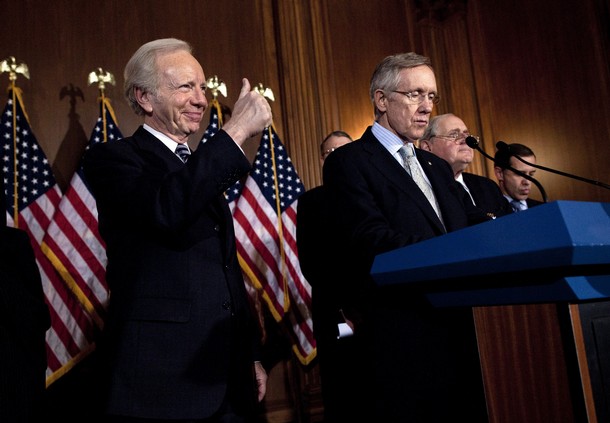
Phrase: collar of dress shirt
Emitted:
{"points": [[392, 143], [389, 140], [460, 179], [167, 141], [511, 199]]}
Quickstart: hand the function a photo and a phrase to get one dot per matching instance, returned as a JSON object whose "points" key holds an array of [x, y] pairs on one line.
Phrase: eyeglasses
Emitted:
{"points": [[416, 97], [327, 152], [454, 136]]}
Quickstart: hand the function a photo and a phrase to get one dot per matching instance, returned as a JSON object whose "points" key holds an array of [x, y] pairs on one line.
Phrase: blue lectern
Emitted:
{"points": [[559, 251], [523, 272]]}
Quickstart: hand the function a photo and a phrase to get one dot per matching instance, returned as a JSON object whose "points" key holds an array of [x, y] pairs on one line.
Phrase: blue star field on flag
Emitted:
{"points": [[34, 175]]}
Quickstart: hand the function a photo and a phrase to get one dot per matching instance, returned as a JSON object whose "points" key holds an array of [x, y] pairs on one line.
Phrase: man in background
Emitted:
{"points": [[319, 257], [515, 188], [446, 136]]}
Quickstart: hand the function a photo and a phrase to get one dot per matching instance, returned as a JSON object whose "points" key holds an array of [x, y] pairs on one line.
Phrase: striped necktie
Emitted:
{"points": [[183, 152], [517, 206]]}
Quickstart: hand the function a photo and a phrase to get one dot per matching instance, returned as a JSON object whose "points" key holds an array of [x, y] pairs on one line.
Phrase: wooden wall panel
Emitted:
{"points": [[305, 77], [524, 366], [362, 35], [358, 34], [542, 73], [443, 39]]}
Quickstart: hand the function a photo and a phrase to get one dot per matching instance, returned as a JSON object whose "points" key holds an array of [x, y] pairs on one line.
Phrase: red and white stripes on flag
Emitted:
{"points": [[264, 215], [32, 197], [72, 242], [266, 244]]}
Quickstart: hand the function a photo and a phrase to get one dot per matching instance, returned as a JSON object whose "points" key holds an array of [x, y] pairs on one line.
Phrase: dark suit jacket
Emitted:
{"points": [[320, 258], [422, 361], [380, 206], [179, 328], [487, 195], [316, 258], [24, 320], [533, 203]]}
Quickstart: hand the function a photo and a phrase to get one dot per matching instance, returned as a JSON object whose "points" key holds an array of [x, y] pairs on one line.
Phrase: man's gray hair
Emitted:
{"points": [[142, 72], [387, 73]]}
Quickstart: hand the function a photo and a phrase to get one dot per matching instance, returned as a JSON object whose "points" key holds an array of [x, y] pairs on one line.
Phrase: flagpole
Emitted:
{"points": [[103, 100], [278, 209], [10, 65], [15, 178], [266, 92], [102, 77]]}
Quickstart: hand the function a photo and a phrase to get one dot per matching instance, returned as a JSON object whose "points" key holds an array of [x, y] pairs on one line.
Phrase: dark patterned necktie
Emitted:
{"points": [[183, 152]]}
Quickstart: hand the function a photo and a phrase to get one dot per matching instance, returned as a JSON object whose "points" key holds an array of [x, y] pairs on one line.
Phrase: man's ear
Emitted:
{"points": [[499, 173], [144, 99], [380, 100], [424, 145]]}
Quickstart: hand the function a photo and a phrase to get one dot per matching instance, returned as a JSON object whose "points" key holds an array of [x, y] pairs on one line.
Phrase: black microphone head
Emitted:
{"points": [[472, 142], [501, 145]]}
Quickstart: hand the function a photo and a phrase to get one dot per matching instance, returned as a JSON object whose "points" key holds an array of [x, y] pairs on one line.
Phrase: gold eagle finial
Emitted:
{"points": [[101, 77], [265, 92], [216, 86], [10, 65]]}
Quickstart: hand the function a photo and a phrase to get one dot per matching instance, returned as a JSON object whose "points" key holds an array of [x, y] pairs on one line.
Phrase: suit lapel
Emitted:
{"points": [[151, 146], [389, 167]]}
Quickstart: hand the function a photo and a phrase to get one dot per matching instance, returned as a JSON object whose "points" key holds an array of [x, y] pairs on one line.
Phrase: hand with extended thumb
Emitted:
{"points": [[251, 115]]}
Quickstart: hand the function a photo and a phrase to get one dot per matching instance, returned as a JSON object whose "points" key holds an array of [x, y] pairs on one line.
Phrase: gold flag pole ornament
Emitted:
{"points": [[102, 78], [10, 65], [217, 86], [265, 92]]}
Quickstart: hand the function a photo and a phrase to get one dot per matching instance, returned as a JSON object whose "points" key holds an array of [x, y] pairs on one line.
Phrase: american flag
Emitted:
{"points": [[32, 197], [269, 262], [264, 215], [215, 121], [72, 242]]}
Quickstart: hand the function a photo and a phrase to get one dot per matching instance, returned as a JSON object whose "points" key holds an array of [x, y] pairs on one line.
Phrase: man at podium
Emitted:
{"points": [[418, 363]]}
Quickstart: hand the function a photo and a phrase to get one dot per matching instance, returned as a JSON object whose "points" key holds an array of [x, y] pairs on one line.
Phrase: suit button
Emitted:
{"points": [[217, 228], [226, 305]]}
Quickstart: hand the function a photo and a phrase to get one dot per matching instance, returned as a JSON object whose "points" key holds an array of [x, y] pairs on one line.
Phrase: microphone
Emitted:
{"points": [[501, 145], [473, 143]]}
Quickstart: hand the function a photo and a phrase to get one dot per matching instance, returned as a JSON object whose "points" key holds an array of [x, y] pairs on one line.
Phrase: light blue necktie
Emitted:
{"points": [[407, 152], [517, 206], [183, 152]]}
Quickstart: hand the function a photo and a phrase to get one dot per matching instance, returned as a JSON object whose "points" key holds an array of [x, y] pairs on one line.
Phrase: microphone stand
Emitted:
{"points": [[473, 143], [502, 145]]}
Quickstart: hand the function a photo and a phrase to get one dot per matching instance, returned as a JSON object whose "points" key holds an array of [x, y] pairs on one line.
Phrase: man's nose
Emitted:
{"points": [[200, 98]]}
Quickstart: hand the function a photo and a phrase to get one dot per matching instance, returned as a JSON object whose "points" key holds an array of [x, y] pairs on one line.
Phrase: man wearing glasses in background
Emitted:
{"points": [[418, 363], [445, 136]]}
